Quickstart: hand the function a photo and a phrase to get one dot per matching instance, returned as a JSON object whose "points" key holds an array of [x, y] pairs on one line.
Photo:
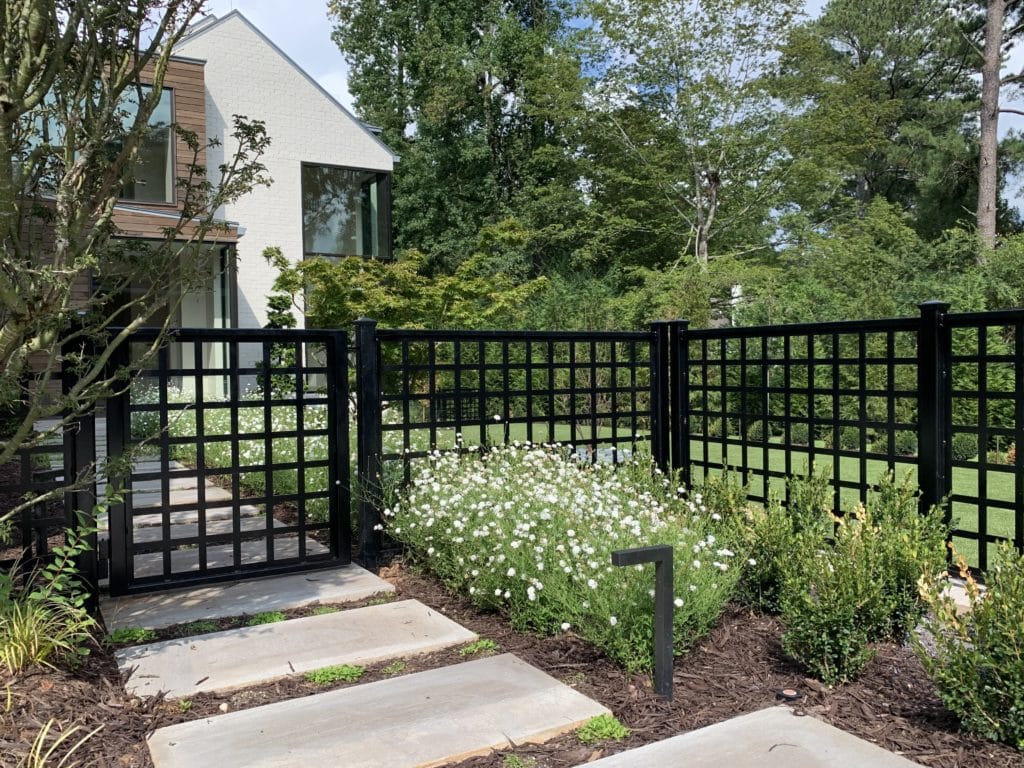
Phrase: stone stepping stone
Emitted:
{"points": [[270, 593], [187, 516], [186, 559], [144, 534], [235, 658], [771, 738], [425, 719]]}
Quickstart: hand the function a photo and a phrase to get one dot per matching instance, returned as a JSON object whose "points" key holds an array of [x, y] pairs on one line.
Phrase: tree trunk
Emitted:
{"points": [[988, 181]]}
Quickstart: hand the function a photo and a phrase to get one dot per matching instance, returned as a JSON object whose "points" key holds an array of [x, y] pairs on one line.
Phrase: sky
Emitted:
{"points": [[301, 29]]}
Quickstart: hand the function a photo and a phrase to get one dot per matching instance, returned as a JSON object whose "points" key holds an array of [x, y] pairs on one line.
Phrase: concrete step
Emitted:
{"points": [[771, 738], [237, 658], [271, 593], [425, 719], [185, 560], [144, 534]]}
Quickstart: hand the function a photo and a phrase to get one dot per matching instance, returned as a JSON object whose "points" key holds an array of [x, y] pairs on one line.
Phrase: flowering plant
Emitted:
{"points": [[529, 530]]}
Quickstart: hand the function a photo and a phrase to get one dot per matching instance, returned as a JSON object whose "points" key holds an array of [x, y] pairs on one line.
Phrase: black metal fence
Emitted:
{"points": [[600, 392], [940, 396]]}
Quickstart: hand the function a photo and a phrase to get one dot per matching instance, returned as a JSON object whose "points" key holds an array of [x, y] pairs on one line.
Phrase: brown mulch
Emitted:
{"points": [[738, 668]]}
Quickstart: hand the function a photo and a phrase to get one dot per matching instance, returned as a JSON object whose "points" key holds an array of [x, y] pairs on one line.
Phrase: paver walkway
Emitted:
{"points": [[430, 718]]}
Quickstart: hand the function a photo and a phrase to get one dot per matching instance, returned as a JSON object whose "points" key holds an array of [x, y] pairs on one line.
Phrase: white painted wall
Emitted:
{"points": [[245, 74]]}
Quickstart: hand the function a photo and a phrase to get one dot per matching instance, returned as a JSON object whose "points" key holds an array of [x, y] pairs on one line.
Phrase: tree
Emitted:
{"points": [[72, 115], [883, 97], [709, 143], [476, 96]]}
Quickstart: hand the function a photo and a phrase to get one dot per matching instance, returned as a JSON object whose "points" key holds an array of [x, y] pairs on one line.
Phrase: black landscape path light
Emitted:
{"points": [[661, 556]]}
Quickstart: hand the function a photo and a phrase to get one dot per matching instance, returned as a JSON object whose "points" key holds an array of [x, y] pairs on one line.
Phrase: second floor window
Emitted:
{"points": [[152, 178], [345, 212]]}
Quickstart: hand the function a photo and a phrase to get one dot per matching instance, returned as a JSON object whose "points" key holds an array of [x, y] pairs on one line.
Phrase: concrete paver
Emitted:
{"points": [[771, 738], [183, 560], [236, 658], [424, 719], [272, 593]]}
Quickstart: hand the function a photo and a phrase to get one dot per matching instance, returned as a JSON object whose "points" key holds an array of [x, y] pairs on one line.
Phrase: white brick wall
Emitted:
{"points": [[246, 75]]}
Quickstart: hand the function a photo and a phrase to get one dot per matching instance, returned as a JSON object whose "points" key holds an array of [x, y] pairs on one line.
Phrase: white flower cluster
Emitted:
{"points": [[531, 531]]}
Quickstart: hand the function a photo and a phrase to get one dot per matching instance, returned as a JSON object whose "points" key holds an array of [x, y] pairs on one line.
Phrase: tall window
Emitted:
{"points": [[345, 212], [153, 175]]}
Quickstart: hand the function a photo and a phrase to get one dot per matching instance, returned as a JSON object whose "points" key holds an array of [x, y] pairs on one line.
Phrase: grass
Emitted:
{"points": [[483, 646], [267, 617], [201, 627], [999, 486], [602, 728], [131, 636], [338, 673], [396, 667], [322, 610]]}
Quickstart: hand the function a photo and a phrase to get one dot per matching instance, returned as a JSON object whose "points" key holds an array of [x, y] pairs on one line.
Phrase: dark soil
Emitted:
{"points": [[738, 668]]}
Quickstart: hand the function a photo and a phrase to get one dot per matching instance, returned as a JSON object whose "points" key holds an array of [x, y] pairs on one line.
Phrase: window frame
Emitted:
{"points": [[384, 212], [172, 143]]}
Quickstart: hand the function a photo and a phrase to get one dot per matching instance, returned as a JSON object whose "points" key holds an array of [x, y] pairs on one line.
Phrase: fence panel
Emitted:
{"points": [[477, 388], [239, 458], [772, 402], [987, 502]]}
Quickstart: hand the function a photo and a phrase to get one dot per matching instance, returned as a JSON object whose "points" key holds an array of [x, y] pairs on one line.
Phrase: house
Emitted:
{"points": [[331, 191]]}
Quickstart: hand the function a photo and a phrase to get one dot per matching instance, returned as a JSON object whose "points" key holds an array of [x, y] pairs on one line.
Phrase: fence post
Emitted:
{"points": [[369, 442], [660, 396], [679, 376], [338, 446], [934, 406], [119, 512], [79, 465]]}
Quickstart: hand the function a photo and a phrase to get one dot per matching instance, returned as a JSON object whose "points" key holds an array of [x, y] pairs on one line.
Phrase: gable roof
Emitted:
{"points": [[211, 22]]}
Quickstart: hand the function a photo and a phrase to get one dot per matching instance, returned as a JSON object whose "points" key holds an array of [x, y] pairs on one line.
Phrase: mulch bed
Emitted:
{"points": [[738, 668]]}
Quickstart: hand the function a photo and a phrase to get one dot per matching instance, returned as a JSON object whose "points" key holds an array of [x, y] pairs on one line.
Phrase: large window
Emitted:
{"points": [[152, 178], [345, 212]]}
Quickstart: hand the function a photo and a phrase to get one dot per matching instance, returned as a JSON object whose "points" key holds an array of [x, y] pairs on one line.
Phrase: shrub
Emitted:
{"points": [[864, 586], [798, 434], [964, 447], [976, 659], [530, 532], [755, 432], [43, 618], [849, 439], [1011, 454], [905, 443]]}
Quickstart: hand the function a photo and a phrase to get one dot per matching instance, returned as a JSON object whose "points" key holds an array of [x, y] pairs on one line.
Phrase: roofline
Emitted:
{"points": [[129, 208], [189, 59], [362, 126]]}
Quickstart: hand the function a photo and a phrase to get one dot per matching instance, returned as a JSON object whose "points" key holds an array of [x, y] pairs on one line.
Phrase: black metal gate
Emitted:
{"points": [[232, 450]]}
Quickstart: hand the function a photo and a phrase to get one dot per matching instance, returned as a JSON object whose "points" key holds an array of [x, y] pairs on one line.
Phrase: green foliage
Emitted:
{"points": [[976, 658], [517, 761], [798, 434], [547, 566], [849, 439], [396, 667], [602, 728], [267, 617], [905, 443], [201, 627], [338, 673], [131, 636], [43, 616], [323, 610], [50, 750], [964, 446], [863, 585], [184, 706], [482, 646]]}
